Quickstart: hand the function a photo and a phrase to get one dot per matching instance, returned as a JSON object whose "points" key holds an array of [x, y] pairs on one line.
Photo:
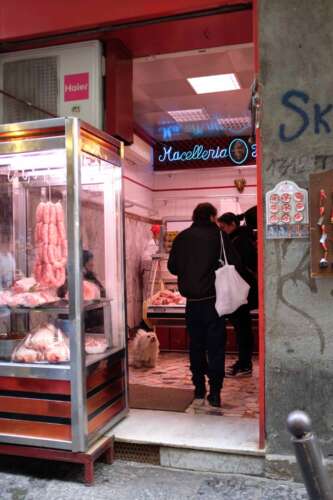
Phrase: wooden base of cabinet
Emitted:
{"points": [[104, 448]]}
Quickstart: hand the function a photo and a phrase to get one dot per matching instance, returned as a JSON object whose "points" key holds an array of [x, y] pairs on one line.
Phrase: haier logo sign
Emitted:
{"points": [[76, 87]]}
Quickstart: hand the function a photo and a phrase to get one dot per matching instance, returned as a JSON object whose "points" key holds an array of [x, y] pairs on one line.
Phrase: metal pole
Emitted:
{"points": [[309, 456]]}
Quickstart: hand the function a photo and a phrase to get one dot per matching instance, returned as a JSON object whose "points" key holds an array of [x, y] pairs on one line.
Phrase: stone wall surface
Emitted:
{"points": [[296, 50]]}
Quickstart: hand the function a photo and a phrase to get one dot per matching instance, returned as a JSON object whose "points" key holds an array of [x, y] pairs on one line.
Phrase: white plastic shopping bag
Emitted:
{"points": [[231, 290]]}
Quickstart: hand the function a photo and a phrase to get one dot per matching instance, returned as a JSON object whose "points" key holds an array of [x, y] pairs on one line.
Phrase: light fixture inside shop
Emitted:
{"points": [[189, 115], [235, 123], [214, 83]]}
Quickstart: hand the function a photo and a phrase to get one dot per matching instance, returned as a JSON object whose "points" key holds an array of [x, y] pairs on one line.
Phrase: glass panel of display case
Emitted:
{"points": [[102, 253], [33, 256]]}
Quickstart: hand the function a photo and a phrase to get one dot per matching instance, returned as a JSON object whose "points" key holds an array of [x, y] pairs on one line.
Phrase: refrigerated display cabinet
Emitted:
{"points": [[49, 401]]}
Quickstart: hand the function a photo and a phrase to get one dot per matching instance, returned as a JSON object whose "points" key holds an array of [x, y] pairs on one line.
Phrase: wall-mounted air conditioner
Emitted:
{"points": [[63, 80]]}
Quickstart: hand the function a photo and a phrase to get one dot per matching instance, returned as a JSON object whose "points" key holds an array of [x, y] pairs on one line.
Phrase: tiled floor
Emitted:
{"points": [[239, 396]]}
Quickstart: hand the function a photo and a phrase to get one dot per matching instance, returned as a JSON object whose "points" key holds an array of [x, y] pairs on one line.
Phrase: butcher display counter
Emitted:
{"points": [[63, 377], [165, 305]]}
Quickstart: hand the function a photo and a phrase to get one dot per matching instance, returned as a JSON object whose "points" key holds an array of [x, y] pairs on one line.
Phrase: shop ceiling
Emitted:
{"points": [[160, 86]]}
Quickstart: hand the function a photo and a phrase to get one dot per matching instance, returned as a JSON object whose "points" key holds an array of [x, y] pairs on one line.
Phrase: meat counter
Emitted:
{"points": [[63, 377]]}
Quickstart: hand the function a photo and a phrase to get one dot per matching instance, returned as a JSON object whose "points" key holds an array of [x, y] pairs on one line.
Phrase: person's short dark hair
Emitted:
{"points": [[203, 212], [229, 217]]}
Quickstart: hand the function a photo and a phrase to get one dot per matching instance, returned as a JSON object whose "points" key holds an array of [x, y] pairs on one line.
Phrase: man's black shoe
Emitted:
{"points": [[214, 399]]}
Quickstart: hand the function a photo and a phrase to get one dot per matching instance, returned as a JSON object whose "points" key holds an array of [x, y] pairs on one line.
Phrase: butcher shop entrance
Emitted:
{"points": [[201, 134]]}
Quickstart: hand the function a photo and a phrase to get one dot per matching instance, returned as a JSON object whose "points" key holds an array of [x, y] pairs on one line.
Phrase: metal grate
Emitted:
{"points": [[33, 80], [133, 452]]}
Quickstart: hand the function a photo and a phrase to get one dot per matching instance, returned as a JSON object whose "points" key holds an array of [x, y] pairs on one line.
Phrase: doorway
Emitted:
{"points": [[168, 111]]}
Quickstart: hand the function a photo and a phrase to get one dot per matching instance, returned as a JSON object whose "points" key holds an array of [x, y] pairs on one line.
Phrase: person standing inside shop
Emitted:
{"points": [[193, 259], [244, 244]]}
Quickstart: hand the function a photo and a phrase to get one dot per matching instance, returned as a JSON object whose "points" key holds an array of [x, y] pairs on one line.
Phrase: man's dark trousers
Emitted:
{"points": [[207, 345]]}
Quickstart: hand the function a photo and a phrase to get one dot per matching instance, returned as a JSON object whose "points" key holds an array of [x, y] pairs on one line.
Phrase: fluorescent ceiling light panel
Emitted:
{"points": [[189, 115], [214, 83], [235, 122]]}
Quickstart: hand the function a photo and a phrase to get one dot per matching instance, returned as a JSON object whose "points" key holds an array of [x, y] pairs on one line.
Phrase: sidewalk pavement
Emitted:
{"points": [[23, 479]]}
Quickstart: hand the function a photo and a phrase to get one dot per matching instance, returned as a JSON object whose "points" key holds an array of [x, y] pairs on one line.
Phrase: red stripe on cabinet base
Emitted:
{"points": [[29, 429], [35, 385]]}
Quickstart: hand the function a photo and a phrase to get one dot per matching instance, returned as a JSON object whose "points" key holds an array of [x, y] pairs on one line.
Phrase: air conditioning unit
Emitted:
{"points": [[63, 80]]}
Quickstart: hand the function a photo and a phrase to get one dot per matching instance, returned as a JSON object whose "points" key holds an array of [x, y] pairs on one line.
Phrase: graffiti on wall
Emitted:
{"points": [[310, 116]]}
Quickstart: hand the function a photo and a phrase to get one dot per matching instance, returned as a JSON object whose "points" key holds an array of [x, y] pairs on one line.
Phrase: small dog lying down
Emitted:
{"points": [[145, 349]]}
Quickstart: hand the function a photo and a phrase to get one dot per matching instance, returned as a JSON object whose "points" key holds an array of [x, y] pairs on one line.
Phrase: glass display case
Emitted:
{"points": [[62, 300]]}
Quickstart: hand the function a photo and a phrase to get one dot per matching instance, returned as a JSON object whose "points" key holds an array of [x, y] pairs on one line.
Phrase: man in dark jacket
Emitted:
{"points": [[194, 259]]}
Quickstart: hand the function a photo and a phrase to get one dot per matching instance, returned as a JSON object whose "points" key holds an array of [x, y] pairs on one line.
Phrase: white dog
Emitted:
{"points": [[145, 349]]}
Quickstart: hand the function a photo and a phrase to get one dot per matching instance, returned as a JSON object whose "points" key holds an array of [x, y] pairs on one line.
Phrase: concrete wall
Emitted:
{"points": [[296, 52]]}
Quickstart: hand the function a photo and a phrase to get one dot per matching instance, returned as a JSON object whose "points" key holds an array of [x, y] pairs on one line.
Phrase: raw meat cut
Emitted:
{"points": [[11, 298], [46, 344], [298, 217], [58, 353], [51, 245], [94, 345], [167, 298], [25, 355], [43, 338], [24, 285]]}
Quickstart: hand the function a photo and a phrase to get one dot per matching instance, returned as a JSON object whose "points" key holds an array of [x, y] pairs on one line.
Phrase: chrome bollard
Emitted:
{"points": [[309, 456]]}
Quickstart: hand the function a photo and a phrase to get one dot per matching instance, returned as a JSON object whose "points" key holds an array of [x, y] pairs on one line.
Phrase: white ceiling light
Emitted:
{"points": [[189, 115], [214, 83]]}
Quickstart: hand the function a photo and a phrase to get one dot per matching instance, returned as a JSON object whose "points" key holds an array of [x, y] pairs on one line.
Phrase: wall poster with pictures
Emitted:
{"points": [[287, 214]]}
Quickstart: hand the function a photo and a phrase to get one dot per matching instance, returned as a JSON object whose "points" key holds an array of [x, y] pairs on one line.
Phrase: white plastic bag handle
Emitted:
{"points": [[223, 251]]}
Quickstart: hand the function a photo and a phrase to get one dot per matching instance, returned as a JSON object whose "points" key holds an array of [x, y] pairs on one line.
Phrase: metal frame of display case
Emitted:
{"points": [[74, 136]]}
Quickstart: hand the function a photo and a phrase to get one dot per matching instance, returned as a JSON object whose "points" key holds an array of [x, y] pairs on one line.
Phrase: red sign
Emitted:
{"points": [[76, 87]]}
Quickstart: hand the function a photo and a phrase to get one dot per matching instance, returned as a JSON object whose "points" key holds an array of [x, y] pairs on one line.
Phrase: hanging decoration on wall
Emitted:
{"points": [[240, 184], [321, 223], [287, 214], [323, 234]]}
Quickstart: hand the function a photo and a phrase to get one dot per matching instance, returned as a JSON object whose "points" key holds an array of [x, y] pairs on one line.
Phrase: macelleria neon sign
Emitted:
{"points": [[237, 152]]}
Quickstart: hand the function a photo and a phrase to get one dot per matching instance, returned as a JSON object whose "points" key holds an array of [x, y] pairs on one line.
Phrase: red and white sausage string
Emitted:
{"points": [[51, 245]]}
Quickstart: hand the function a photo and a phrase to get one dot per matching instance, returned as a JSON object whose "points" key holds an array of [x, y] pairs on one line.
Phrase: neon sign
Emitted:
{"points": [[237, 152]]}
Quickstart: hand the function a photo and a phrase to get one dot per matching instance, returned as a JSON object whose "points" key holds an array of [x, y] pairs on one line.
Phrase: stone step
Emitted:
{"points": [[194, 442]]}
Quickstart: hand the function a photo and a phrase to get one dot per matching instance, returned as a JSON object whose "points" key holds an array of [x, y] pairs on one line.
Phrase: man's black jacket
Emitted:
{"points": [[194, 259]]}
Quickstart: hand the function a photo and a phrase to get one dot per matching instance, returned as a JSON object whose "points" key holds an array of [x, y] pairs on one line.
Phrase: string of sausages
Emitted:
{"points": [[51, 245]]}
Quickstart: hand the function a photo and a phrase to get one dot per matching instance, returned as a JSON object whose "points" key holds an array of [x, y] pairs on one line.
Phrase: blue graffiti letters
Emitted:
{"points": [[293, 101], [319, 120], [287, 101]]}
